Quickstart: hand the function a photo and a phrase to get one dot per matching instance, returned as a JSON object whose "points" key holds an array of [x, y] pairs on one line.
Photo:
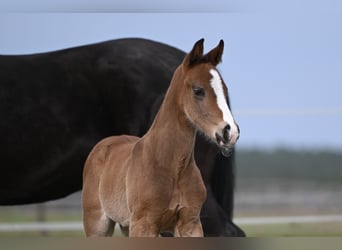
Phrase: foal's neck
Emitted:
{"points": [[171, 136]]}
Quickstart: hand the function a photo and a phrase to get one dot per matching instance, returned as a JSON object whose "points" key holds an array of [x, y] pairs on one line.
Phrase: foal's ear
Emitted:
{"points": [[215, 55], [195, 54]]}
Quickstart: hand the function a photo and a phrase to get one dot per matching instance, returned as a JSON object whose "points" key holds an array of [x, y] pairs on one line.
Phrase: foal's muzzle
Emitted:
{"points": [[226, 139]]}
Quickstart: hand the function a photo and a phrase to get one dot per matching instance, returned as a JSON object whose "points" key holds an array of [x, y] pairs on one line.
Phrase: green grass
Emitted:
{"points": [[74, 234], [330, 229], [267, 230], [30, 213]]}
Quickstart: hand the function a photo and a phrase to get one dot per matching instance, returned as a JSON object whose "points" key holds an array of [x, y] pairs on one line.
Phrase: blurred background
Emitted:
{"points": [[283, 67]]}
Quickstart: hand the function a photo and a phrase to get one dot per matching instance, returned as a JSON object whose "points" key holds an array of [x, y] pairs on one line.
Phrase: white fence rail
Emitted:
{"points": [[41, 226]]}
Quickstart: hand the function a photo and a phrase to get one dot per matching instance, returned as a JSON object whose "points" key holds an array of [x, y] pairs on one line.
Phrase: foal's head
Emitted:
{"points": [[205, 97]]}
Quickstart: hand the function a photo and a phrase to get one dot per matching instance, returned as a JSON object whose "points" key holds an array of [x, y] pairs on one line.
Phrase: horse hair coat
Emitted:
{"points": [[55, 106]]}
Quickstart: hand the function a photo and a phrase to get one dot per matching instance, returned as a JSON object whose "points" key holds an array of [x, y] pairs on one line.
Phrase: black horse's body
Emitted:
{"points": [[56, 106]]}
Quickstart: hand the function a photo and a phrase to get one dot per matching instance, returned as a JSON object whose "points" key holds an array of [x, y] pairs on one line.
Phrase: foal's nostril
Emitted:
{"points": [[225, 133]]}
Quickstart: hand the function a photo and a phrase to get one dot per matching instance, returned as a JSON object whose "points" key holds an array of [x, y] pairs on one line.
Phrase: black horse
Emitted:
{"points": [[56, 106]]}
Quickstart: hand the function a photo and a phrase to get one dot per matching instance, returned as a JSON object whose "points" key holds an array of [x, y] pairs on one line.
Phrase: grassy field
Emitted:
{"points": [[321, 229], [248, 204], [330, 229], [274, 230], [268, 183]]}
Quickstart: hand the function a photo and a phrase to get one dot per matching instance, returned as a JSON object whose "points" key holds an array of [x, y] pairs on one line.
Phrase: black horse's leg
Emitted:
{"points": [[218, 175], [215, 220]]}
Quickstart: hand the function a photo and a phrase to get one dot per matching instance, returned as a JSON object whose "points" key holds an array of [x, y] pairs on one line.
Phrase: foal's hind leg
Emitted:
{"points": [[96, 223]]}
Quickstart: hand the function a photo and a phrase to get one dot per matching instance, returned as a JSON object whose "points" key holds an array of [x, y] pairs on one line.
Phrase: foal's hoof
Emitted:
{"points": [[166, 234]]}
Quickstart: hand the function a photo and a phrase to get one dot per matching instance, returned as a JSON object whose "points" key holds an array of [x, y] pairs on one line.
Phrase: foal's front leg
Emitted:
{"points": [[144, 226], [189, 223]]}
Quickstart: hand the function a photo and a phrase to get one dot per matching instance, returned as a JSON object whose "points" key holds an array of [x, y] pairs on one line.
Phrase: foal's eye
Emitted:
{"points": [[198, 91]]}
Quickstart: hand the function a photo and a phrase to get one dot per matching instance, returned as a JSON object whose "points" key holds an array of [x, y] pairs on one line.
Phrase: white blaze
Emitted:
{"points": [[217, 85]]}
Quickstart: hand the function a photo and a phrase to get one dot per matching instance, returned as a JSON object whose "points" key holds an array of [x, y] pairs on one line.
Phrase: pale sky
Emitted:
{"points": [[282, 61]]}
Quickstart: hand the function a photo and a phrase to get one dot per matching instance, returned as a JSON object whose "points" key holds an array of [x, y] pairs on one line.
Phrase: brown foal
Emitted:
{"points": [[151, 184]]}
